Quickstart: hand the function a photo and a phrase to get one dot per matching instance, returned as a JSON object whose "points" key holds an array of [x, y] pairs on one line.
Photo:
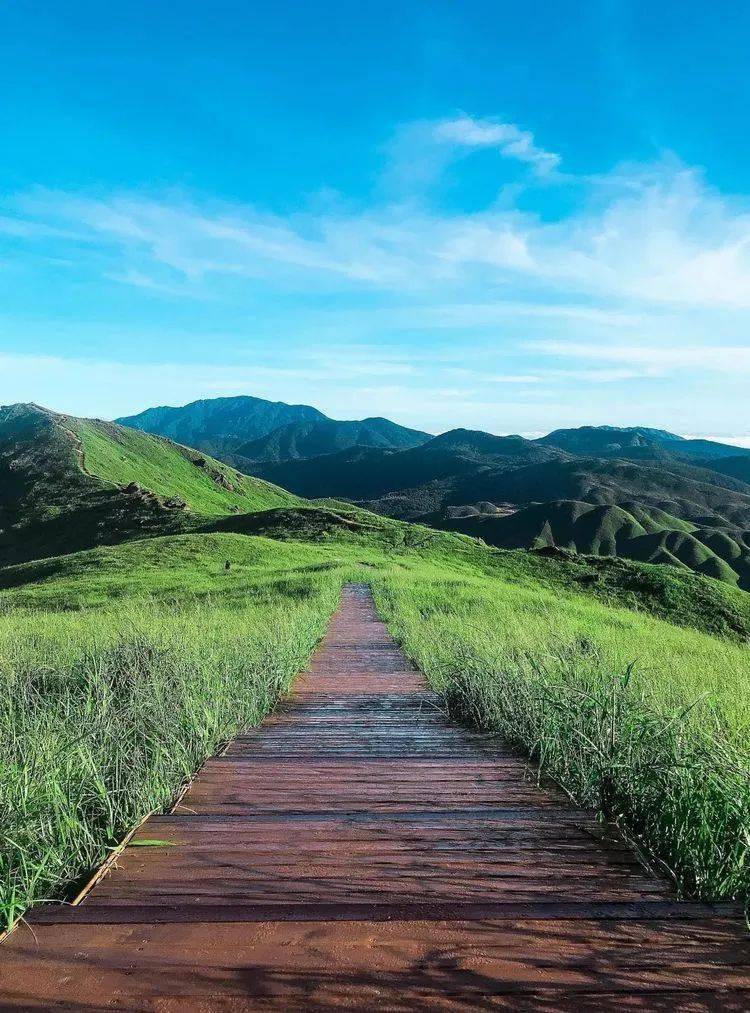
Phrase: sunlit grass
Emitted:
{"points": [[123, 668], [647, 723], [104, 715]]}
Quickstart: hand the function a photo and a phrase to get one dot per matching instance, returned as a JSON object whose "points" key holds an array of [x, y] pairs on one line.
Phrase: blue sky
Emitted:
{"points": [[446, 213]]}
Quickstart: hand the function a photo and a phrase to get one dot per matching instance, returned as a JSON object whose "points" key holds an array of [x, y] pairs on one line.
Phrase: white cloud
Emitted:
{"points": [[105, 387], [731, 359], [510, 140], [640, 238], [639, 273], [735, 441]]}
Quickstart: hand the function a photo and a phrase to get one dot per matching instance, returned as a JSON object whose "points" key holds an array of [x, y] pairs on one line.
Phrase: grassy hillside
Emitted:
{"points": [[67, 484], [121, 456], [123, 666], [633, 531], [132, 650], [648, 725]]}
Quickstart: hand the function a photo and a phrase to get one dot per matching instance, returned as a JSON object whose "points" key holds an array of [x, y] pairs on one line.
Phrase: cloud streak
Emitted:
{"points": [[639, 274], [507, 138], [641, 238], [729, 359]]}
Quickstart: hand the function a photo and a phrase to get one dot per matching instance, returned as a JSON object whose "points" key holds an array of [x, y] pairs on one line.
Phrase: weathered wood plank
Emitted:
{"points": [[359, 850]]}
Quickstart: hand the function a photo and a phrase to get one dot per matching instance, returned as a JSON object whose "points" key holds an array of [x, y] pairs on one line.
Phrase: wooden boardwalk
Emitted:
{"points": [[359, 850]]}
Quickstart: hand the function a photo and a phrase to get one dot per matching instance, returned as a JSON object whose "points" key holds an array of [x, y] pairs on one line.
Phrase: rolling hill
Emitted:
{"points": [[68, 484], [661, 498], [696, 515], [301, 440], [367, 474], [222, 423], [132, 660], [638, 533], [245, 430]]}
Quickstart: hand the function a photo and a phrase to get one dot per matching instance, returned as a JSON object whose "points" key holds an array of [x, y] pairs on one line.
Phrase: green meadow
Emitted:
{"points": [[122, 668]]}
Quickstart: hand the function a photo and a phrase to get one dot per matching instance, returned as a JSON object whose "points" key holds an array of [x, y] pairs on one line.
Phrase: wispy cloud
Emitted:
{"points": [[641, 273], [638, 238], [117, 387], [730, 359], [508, 138]]}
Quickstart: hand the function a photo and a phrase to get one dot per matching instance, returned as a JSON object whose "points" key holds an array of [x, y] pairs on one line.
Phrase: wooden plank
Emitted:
{"points": [[382, 963], [360, 850]]}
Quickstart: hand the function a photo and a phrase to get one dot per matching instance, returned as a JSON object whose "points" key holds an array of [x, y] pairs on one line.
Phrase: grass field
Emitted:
{"points": [[123, 667], [646, 723], [105, 713]]}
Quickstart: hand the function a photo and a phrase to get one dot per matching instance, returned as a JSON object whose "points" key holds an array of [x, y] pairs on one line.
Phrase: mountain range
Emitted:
{"points": [[638, 493], [68, 483], [246, 430]]}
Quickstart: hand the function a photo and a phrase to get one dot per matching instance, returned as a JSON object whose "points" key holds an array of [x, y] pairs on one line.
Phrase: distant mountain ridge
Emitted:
{"points": [[220, 423], [244, 429], [607, 439], [638, 492], [626, 441], [657, 500], [300, 440]]}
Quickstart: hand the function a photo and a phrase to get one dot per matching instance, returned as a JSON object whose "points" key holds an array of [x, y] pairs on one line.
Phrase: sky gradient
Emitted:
{"points": [[448, 214]]}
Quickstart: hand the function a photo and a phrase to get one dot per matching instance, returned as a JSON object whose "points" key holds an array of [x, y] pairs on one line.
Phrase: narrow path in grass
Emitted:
{"points": [[358, 849]]}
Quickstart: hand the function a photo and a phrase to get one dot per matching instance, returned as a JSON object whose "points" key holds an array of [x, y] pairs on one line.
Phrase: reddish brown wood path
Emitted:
{"points": [[360, 850]]}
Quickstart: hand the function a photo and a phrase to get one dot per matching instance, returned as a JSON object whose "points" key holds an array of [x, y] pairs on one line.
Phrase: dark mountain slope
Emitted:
{"points": [[361, 474], [463, 467], [220, 424], [523, 493], [709, 450], [609, 441], [596, 440], [737, 467], [601, 481], [314, 438]]}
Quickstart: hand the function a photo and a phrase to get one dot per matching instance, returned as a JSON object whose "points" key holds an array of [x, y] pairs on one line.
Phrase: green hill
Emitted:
{"points": [[638, 533], [311, 439], [71, 483], [219, 425], [127, 663], [68, 484], [519, 493]]}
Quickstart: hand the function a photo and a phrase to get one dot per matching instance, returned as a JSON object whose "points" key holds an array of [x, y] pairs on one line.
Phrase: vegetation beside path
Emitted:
{"points": [[646, 723], [105, 713], [123, 667]]}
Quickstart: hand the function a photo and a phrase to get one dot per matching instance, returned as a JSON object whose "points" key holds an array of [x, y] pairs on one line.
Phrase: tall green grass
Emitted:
{"points": [[123, 668], [648, 724], [103, 715]]}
